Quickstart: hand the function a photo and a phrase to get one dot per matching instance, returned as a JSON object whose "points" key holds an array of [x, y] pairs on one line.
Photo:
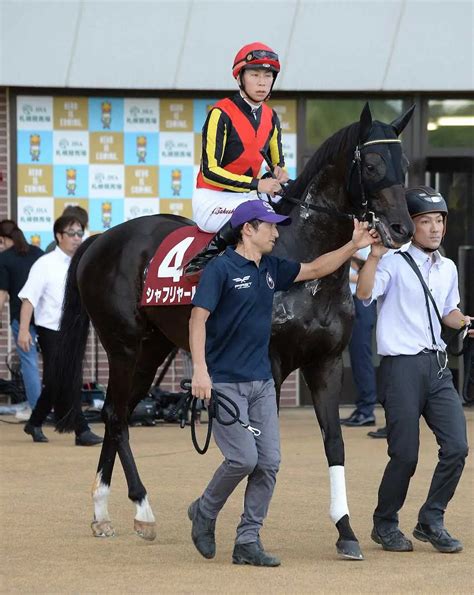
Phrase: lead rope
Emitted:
{"points": [[217, 401]]}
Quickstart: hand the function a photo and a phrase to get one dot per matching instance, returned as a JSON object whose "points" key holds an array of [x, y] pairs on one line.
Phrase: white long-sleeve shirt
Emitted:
{"points": [[45, 288], [402, 323]]}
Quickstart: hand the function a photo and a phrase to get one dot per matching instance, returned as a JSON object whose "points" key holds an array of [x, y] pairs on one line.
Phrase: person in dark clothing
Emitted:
{"points": [[230, 329], [43, 293], [16, 260]]}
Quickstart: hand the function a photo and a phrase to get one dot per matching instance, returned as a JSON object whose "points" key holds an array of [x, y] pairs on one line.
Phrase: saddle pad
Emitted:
{"points": [[165, 283]]}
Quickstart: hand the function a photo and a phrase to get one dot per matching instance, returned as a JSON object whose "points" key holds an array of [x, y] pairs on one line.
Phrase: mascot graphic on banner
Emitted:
{"points": [[71, 181], [141, 148], [106, 118], [35, 147], [106, 215], [176, 185]]}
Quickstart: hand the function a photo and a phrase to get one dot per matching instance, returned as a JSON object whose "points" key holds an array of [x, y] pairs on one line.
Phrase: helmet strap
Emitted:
{"points": [[242, 87]]}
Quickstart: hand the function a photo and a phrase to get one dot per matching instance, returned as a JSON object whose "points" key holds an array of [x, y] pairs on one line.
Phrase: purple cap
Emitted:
{"points": [[257, 209]]}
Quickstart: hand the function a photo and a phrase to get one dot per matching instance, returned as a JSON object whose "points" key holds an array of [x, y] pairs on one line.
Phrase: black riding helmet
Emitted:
{"points": [[423, 199]]}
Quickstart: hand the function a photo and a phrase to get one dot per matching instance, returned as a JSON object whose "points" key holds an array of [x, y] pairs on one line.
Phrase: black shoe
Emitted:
{"points": [[439, 538], [380, 433], [202, 531], [394, 541], [88, 438], [360, 420], [344, 420], [253, 554], [35, 432], [218, 244]]}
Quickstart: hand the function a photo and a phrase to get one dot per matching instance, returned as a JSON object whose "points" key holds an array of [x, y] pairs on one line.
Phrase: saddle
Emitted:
{"points": [[165, 283]]}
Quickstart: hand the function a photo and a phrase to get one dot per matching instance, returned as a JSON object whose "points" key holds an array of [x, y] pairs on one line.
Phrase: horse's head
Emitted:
{"points": [[377, 177]]}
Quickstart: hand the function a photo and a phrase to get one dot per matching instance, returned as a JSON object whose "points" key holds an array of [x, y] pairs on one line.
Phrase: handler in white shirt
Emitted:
{"points": [[415, 380], [43, 293]]}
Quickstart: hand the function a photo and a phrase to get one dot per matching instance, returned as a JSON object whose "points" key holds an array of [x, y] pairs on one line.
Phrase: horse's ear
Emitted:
{"points": [[399, 123], [365, 123]]}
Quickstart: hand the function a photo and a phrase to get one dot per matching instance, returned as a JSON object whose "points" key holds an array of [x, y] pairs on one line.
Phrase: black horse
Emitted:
{"points": [[358, 171]]}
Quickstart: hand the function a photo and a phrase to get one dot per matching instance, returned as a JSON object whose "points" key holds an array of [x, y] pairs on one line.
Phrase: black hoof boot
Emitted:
{"points": [[347, 545], [348, 549]]}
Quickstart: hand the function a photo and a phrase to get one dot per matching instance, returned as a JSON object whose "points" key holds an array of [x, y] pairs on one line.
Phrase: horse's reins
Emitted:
{"points": [[217, 401], [356, 162]]}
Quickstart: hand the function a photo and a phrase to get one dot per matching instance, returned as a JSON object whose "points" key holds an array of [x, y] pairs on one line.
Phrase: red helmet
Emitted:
{"points": [[256, 55]]}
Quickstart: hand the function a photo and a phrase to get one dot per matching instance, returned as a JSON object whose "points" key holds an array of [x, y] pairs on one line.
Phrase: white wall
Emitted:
{"points": [[325, 45]]}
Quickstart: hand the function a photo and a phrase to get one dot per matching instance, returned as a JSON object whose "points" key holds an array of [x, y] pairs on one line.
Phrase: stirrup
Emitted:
{"points": [[198, 263]]}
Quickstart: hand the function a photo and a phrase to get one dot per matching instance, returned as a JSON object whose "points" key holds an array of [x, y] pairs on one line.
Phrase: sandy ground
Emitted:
{"points": [[46, 510]]}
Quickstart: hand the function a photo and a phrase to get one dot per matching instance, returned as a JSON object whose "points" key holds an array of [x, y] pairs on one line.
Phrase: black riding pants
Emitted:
{"points": [[410, 388], [47, 340]]}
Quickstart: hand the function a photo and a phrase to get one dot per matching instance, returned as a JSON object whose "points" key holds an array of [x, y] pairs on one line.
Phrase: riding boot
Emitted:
{"points": [[223, 238]]}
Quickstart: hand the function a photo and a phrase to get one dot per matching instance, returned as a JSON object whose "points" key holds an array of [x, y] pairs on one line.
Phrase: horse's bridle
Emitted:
{"points": [[356, 163]]}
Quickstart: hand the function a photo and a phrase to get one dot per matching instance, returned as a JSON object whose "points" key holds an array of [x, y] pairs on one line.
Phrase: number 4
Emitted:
{"points": [[166, 268]]}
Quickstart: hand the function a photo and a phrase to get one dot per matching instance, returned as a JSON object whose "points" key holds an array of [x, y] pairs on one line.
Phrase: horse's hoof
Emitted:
{"points": [[349, 549], [145, 530], [102, 529]]}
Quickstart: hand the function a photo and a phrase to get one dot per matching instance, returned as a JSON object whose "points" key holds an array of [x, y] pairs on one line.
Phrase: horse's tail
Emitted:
{"points": [[72, 340]]}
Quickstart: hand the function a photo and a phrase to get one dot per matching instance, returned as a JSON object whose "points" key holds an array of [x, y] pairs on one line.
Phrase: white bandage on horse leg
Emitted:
{"points": [[100, 495], [338, 507], [144, 511]]}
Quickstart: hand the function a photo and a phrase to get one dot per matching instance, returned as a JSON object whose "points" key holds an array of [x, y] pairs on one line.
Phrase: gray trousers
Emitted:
{"points": [[257, 458], [410, 388]]}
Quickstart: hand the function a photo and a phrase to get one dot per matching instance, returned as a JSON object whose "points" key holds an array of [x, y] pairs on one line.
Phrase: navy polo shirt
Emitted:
{"points": [[239, 296]]}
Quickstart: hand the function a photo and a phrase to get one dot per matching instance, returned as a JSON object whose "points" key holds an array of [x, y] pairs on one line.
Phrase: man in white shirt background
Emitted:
{"points": [[415, 379], [43, 293]]}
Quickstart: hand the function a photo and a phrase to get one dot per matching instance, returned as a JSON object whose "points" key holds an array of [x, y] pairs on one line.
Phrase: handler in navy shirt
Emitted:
{"points": [[229, 337]]}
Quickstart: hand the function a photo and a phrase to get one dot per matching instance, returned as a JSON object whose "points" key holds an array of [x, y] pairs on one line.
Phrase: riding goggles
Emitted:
{"points": [[260, 55]]}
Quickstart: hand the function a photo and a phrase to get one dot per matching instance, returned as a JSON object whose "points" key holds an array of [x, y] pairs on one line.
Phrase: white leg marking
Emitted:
{"points": [[100, 495], [144, 511], [338, 507]]}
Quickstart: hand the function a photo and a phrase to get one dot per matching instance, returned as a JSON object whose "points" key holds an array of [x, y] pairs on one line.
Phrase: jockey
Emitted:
{"points": [[235, 132]]}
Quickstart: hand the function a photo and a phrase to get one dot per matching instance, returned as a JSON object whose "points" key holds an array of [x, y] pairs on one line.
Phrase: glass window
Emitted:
{"points": [[451, 123], [324, 117]]}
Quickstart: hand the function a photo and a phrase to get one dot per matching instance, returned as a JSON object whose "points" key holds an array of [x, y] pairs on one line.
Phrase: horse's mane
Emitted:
{"points": [[338, 143]]}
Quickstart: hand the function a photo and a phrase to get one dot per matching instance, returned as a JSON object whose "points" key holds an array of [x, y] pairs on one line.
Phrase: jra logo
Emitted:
{"points": [[242, 283]]}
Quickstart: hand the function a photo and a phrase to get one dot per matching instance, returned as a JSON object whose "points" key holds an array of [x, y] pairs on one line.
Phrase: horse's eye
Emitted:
{"points": [[370, 167]]}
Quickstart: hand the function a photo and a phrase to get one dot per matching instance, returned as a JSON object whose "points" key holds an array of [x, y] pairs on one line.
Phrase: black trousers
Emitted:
{"points": [[47, 340], [410, 388]]}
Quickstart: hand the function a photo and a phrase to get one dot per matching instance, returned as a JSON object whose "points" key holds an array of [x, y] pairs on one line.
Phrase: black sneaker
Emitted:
{"points": [[253, 554], [202, 531], [439, 538], [394, 541], [88, 438], [360, 420]]}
